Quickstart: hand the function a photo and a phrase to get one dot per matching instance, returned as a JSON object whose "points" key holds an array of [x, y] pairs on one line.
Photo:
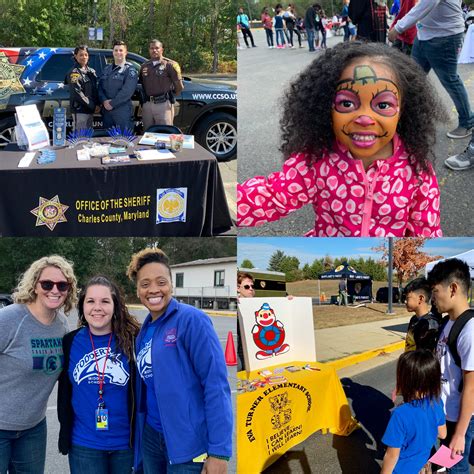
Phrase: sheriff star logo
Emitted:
{"points": [[9, 80], [49, 212]]}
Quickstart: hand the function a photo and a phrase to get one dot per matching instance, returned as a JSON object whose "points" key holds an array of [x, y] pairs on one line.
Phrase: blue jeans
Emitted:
{"points": [[269, 34], [462, 467], [24, 451], [155, 456], [310, 35], [441, 55], [280, 35], [84, 460]]}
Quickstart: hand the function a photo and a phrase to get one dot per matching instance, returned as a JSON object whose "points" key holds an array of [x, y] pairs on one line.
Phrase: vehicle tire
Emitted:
{"points": [[7, 131], [218, 134]]}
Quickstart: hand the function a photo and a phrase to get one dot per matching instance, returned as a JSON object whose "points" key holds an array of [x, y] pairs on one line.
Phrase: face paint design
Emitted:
{"points": [[366, 110]]}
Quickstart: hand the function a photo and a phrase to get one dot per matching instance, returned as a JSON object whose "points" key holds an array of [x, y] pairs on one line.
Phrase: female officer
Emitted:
{"points": [[116, 87], [184, 410], [82, 82], [31, 358], [95, 396]]}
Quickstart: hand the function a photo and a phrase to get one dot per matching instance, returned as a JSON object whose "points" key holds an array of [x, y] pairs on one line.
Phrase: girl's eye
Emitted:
{"points": [[385, 103], [346, 101]]}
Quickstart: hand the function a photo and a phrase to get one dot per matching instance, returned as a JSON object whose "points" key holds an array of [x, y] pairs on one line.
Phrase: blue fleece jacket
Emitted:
{"points": [[191, 386]]}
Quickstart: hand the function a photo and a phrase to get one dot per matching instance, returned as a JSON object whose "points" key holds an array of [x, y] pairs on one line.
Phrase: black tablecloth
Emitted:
{"points": [[183, 196]]}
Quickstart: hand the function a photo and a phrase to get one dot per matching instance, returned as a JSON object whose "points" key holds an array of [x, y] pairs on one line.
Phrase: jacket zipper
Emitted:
{"points": [[368, 202]]}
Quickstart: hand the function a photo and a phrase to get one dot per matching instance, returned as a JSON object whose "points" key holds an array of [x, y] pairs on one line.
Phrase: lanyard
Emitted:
{"points": [[99, 375]]}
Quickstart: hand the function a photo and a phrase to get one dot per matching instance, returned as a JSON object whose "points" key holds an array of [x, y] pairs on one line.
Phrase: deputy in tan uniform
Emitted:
{"points": [[161, 80]]}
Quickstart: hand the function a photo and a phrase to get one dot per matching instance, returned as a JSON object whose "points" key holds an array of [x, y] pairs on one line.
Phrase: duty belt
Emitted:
{"points": [[158, 99]]}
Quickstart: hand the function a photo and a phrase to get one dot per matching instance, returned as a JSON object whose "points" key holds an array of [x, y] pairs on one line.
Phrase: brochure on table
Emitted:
{"points": [[149, 138], [30, 130], [276, 331]]}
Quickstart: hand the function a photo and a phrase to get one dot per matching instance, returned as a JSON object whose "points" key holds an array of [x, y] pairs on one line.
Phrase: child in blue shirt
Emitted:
{"points": [[414, 426]]}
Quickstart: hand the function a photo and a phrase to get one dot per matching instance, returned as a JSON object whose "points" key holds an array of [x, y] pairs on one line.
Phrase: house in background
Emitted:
{"points": [[209, 283]]}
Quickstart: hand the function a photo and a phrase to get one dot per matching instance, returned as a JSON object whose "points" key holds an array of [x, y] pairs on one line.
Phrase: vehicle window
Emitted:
{"points": [[56, 68], [95, 63]]}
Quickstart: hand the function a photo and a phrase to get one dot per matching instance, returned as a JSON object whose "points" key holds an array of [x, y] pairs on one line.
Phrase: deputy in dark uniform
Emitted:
{"points": [[83, 96], [161, 80], [116, 87]]}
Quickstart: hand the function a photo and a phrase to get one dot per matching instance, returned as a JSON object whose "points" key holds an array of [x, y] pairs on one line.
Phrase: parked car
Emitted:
{"points": [[205, 109], [382, 295], [5, 300]]}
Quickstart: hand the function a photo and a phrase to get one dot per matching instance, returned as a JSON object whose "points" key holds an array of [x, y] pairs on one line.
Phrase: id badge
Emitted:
{"points": [[101, 419]]}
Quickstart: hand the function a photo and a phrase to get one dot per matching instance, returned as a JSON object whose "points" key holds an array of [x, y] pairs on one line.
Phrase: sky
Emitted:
{"points": [[259, 249]]}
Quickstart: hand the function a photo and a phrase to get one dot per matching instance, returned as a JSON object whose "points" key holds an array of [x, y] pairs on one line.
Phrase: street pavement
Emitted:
{"points": [[263, 76]]}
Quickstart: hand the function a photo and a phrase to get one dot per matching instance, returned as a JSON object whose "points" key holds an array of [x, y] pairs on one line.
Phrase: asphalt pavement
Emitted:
{"points": [[263, 76]]}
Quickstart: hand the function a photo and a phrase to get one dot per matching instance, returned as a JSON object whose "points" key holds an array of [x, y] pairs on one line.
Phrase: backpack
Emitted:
{"points": [[452, 342]]}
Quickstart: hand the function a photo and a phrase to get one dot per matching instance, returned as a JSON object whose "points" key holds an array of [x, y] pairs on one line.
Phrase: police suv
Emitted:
{"points": [[36, 76]]}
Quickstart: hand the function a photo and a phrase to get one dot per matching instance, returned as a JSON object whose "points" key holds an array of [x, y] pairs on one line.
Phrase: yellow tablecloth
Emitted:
{"points": [[274, 418]]}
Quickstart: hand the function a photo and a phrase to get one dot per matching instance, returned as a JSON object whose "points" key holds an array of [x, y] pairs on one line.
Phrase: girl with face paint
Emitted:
{"points": [[357, 136]]}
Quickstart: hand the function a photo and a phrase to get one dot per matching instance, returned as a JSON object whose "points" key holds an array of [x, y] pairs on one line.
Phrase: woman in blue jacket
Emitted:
{"points": [[184, 412]]}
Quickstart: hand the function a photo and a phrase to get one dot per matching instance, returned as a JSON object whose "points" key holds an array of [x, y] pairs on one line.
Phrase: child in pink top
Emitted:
{"points": [[358, 126]]}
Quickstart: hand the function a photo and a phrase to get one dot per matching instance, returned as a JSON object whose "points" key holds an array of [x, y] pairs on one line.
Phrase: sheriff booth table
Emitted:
{"points": [[182, 196]]}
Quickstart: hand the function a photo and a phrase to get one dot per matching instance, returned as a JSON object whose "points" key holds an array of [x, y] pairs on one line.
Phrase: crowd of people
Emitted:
{"points": [[111, 93], [153, 398]]}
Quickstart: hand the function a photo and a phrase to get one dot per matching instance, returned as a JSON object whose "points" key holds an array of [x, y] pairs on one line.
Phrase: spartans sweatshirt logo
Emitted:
{"points": [[115, 372]]}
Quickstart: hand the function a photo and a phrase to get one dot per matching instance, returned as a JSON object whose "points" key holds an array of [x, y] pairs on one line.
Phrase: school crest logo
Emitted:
{"points": [[144, 361], [50, 212], [280, 406], [115, 372]]}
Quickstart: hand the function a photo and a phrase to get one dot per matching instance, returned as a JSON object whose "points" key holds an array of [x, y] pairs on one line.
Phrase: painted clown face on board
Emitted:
{"points": [[366, 110]]}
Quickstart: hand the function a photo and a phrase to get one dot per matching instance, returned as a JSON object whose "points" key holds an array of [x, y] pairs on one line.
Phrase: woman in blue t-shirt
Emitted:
{"points": [[95, 397], [416, 424]]}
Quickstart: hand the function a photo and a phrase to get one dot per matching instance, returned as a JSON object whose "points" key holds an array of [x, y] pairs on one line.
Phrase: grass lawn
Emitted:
{"points": [[328, 316]]}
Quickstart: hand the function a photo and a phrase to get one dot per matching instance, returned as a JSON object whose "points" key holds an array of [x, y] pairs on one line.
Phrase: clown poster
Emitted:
{"points": [[276, 330]]}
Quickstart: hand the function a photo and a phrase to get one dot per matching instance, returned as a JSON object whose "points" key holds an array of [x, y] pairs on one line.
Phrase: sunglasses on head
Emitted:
{"points": [[48, 285], [247, 287]]}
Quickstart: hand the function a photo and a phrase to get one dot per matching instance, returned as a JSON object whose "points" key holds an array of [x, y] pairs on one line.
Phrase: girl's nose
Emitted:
{"points": [[364, 120]]}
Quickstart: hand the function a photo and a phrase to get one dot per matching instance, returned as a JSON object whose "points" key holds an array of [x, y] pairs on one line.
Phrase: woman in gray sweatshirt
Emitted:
{"points": [[31, 359]]}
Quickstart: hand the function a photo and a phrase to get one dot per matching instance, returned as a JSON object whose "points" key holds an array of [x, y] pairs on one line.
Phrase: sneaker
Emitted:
{"points": [[459, 132], [463, 161]]}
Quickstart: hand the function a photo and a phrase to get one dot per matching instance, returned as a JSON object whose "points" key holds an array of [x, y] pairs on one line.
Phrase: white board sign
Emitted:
{"points": [[276, 331]]}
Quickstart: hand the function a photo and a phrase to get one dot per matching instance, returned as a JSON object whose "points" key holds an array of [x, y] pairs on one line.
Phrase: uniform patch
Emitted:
{"points": [[177, 69], [74, 77], [171, 205], [132, 72]]}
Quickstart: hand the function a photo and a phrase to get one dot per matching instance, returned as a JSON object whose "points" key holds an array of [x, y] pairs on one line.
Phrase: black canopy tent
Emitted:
{"points": [[359, 285]]}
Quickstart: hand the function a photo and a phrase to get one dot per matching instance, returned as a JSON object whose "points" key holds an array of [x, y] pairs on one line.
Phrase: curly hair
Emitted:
{"points": [[141, 258], [124, 325], [24, 293], [306, 118]]}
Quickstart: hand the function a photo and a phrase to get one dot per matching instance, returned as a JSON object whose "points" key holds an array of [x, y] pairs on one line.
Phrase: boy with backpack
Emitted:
{"points": [[423, 327], [450, 283]]}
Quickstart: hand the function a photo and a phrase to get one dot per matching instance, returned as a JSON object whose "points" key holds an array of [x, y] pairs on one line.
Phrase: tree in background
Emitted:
{"points": [[199, 34], [109, 256], [408, 258], [246, 263]]}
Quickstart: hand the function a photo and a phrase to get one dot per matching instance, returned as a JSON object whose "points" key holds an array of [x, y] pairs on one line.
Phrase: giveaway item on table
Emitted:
{"points": [[26, 160], [150, 138], [59, 126], [152, 154], [80, 137], [46, 156], [176, 142], [98, 150], [83, 154], [30, 130], [120, 137], [112, 160]]}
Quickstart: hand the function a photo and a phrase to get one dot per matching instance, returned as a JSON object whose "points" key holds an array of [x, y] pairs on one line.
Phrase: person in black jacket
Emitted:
{"points": [[83, 97], [96, 401]]}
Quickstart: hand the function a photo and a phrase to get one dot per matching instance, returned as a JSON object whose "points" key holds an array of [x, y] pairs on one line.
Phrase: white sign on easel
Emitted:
{"points": [[30, 130], [276, 331]]}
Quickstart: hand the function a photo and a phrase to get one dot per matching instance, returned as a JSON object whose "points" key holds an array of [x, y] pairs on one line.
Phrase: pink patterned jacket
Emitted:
{"points": [[389, 199]]}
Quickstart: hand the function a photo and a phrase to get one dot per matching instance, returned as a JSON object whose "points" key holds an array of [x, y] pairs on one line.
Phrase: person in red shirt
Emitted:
{"points": [[405, 40], [267, 26]]}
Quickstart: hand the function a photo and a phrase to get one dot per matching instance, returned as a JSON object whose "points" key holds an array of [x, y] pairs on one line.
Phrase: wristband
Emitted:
{"points": [[224, 458]]}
